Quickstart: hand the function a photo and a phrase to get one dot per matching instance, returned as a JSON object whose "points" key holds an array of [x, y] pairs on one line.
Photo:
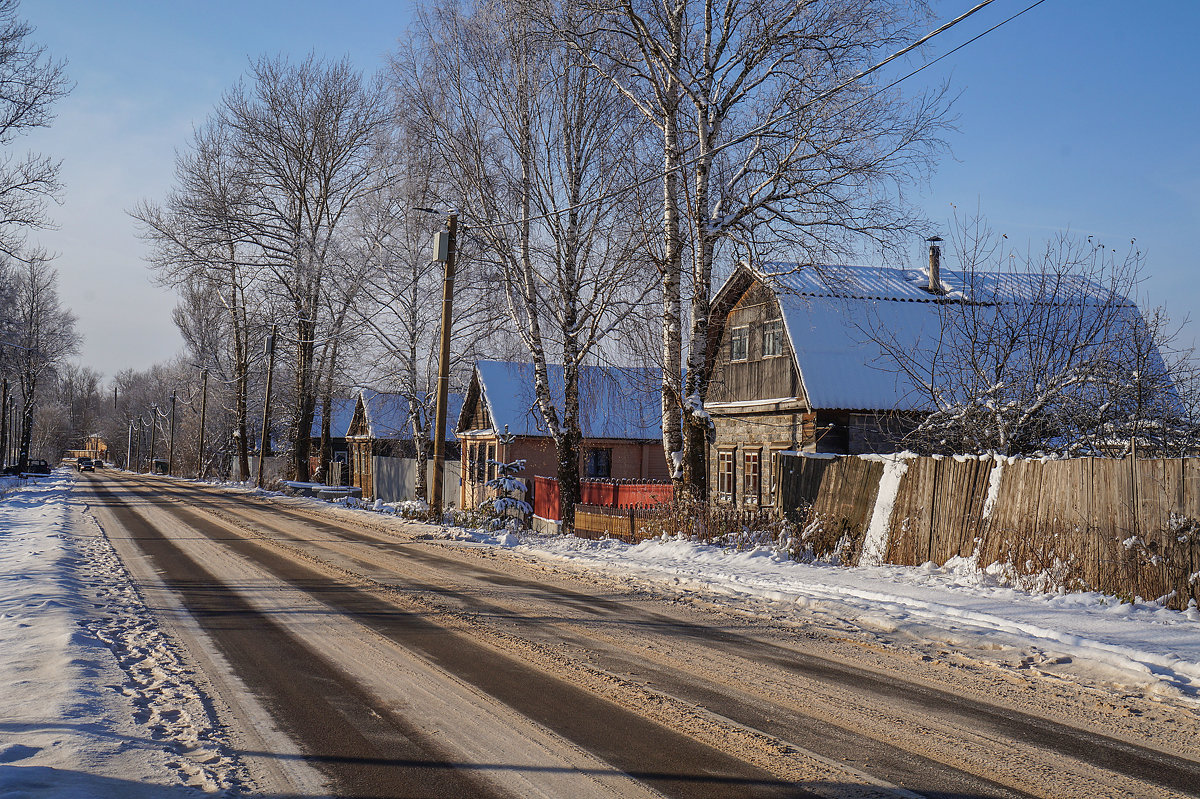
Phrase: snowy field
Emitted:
{"points": [[95, 702]]}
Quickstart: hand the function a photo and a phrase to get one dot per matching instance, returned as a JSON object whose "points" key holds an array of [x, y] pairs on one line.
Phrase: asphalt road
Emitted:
{"points": [[397, 665]]}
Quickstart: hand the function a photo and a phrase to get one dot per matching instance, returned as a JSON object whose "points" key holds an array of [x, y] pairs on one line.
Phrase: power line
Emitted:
{"points": [[819, 98]]}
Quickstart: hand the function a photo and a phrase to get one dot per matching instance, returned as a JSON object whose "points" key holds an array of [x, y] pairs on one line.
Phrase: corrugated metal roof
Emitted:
{"points": [[834, 316], [615, 401], [884, 283]]}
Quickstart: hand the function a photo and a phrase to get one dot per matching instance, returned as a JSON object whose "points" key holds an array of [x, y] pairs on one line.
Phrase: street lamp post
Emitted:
{"points": [[171, 446], [129, 447]]}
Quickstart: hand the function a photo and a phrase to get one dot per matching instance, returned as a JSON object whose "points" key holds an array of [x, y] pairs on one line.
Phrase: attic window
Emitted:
{"points": [[739, 344], [773, 338]]}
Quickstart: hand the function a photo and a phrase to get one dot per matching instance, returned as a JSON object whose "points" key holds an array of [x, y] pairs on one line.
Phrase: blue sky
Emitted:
{"points": [[1077, 115]]}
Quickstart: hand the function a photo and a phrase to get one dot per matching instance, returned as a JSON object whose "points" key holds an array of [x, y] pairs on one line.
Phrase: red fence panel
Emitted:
{"points": [[603, 493], [545, 498], [643, 495]]}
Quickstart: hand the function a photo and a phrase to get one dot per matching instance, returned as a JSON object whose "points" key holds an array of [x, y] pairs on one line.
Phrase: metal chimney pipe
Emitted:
{"points": [[935, 265]]}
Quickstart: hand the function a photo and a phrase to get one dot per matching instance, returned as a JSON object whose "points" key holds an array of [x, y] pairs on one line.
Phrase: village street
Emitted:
{"points": [[372, 659]]}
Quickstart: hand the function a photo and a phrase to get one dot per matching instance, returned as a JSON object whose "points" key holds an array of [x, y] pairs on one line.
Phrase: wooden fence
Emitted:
{"points": [[699, 521], [626, 524], [1125, 527]]}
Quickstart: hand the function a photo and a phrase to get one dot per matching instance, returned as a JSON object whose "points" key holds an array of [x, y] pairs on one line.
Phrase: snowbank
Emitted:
{"points": [[95, 700], [959, 604]]}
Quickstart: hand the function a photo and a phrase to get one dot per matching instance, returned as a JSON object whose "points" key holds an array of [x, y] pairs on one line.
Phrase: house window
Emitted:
{"points": [[739, 343], [751, 476], [725, 476], [773, 338], [597, 462], [774, 466]]}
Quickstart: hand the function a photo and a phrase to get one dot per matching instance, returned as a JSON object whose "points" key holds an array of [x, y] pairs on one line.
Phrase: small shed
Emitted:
{"points": [[620, 418]]}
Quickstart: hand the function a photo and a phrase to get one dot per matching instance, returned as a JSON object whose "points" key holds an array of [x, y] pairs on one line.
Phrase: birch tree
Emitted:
{"points": [[537, 142], [30, 83], [775, 162]]}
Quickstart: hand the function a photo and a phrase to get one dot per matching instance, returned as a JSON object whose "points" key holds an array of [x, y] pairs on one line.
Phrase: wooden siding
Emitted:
{"points": [[757, 377]]}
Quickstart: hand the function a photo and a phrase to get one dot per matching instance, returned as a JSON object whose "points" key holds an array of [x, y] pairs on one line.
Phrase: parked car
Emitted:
{"points": [[85, 465], [37, 467]]}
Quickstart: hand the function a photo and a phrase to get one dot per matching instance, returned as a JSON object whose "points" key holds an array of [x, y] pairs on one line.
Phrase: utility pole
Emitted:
{"points": [[129, 447], [153, 430], [203, 413], [138, 460], [262, 446], [444, 248], [171, 446]]}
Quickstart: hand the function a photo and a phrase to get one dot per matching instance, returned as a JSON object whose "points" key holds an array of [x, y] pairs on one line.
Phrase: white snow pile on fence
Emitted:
{"points": [[874, 549], [94, 701], [959, 605]]}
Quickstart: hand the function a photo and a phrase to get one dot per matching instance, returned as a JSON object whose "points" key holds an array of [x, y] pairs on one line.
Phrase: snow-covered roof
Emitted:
{"points": [[909, 285], [341, 411], [388, 414], [615, 401], [835, 314]]}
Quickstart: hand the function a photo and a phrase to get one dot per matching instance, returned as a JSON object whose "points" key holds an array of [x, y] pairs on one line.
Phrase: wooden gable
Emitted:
{"points": [[359, 424], [749, 311], [474, 414]]}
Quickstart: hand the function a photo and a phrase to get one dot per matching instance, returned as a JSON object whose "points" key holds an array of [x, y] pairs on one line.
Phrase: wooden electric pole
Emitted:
{"points": [[444, 248], [262, 445], [3, 423], [203, 413], [153, 430], [171, 446]]}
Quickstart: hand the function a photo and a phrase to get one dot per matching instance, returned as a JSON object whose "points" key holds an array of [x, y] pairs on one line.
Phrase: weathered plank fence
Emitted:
{"points": [[1125, 527]]}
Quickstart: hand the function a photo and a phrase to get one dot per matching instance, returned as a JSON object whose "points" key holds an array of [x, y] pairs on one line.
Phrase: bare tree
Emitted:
{"points": [[1042, 351], [534, 133], [775, 160], [201, 248], [394, 240], [305, 135], [30, 83], [44, 336]]}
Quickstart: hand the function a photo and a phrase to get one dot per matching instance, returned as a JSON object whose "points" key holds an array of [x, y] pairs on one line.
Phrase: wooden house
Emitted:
{"points": [[341, 410], [797, 356], [379, 435], [619, 416]]}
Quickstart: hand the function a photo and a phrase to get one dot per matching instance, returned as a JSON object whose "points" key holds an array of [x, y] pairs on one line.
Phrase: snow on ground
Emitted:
{"points": [[959, 605], [94, 699]]}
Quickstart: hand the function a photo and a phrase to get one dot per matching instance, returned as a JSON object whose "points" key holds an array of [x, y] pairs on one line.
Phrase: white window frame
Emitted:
{"points": [[751, 477], [773, 332], [726, 474], [742, 334]]}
